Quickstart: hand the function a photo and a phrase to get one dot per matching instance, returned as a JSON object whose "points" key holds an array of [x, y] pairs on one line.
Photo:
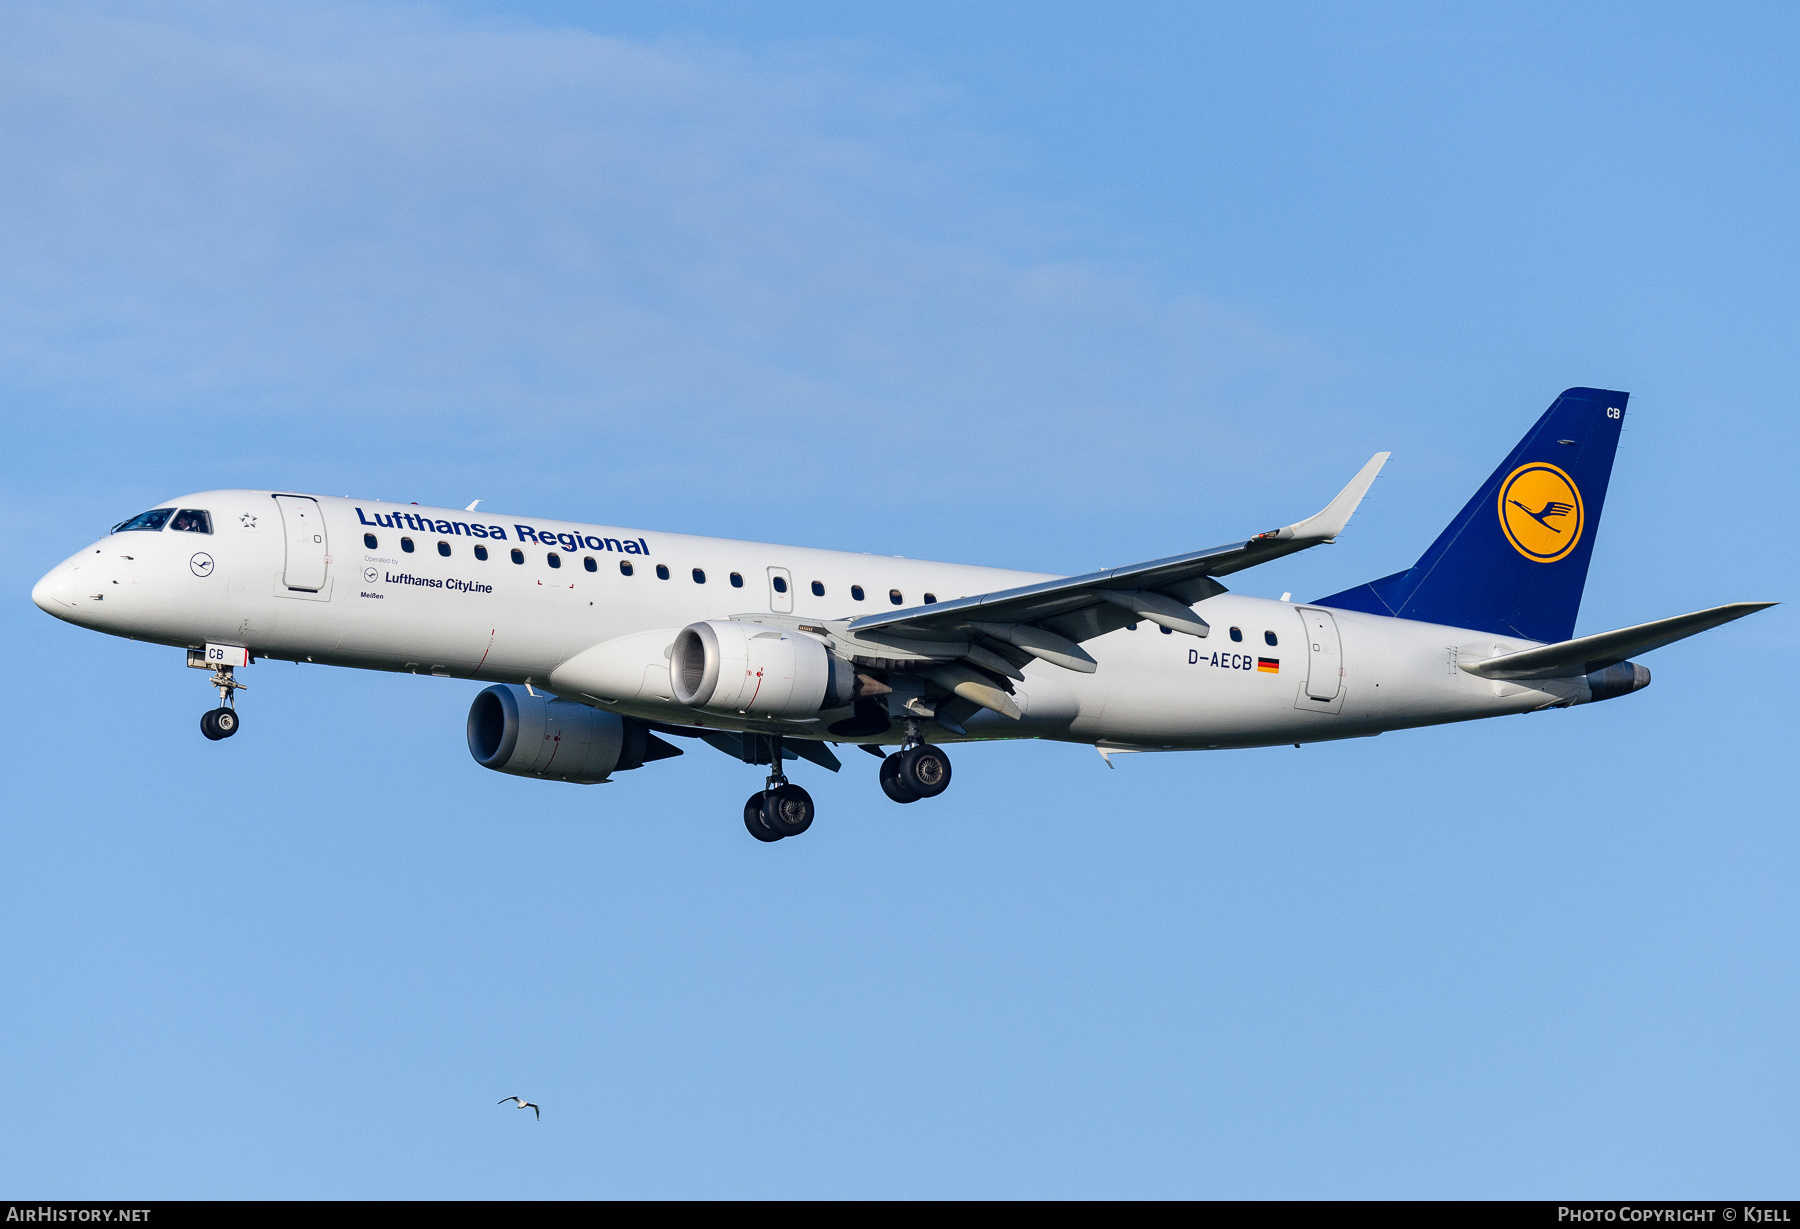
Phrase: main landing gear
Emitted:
{"points": [[779, 809], [918, 770], [222, 722]]}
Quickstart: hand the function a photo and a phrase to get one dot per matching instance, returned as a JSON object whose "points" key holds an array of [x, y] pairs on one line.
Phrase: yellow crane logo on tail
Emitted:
{"points": [[1540, 512]]}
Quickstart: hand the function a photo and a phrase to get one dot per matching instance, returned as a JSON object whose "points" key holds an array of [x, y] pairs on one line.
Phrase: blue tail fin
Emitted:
{"points": [[1515, 558]]}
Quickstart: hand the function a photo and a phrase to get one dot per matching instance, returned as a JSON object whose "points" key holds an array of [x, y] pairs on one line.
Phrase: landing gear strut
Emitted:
{"points": [[779, 809], [918, 770], [222, 722]]}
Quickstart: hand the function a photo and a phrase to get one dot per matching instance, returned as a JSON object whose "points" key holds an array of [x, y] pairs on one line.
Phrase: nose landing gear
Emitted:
{"points": [[221, 722], [779, 809]]}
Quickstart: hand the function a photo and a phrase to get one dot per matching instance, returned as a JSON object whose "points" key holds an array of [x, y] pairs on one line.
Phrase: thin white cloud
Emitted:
{"points": [[338, 212]]}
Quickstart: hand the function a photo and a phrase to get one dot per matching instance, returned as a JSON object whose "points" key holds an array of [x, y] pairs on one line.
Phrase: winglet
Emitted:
{"points": [[1326, 525]]}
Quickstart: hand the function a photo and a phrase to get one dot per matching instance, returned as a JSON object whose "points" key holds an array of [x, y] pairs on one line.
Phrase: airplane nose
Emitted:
{"points": [[51, 594]]}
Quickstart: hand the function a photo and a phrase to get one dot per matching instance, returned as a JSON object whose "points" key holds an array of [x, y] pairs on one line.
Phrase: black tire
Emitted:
{"points": [[209, 724], [788, 809], [925, 770], [225, 721], [891, 784], [753, 819]]}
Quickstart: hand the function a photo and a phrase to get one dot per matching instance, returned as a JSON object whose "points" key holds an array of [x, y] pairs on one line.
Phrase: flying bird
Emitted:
{"points": [[523, 1104], [1553, 508]]}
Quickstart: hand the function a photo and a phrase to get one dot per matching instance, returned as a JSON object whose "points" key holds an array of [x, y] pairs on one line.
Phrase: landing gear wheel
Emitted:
{"points": [[219, 723], [787, 810], [891, 784], [924, 770], [753, 819]]}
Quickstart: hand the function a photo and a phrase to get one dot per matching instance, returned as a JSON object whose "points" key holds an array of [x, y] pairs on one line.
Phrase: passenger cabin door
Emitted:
{"points": [[306, 545], [1324, 655], [781, 591]]}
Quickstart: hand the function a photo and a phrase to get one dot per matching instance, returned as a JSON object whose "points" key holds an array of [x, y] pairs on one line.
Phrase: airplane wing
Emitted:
{"points": [[974, 647], [1081, 607], [1590, 653]]}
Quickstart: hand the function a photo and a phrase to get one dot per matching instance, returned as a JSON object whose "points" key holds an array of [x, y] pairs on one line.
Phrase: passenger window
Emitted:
{"points": [[369, 541], [587, 561], [154, 519], [737, 582], [699, 576], [624, 567], [192, 520], [553, 559], [894, 596], [406, 545], [662, 572], [444, 549], [856, 593], [1236, 634], [930, 598], [780, 583], [518, 556], [1269, 639], [818, 588], [481, 552]]}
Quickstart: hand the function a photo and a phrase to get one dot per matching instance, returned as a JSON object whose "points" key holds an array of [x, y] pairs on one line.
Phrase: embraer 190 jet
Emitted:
{"points": [[603, 642]]}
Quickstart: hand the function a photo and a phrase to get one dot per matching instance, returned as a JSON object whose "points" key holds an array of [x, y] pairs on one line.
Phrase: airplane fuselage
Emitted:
{"points": [[402, 588]]}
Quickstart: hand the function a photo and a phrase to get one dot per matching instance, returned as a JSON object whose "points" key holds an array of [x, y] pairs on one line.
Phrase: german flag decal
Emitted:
{"points": [[1268, 665]]}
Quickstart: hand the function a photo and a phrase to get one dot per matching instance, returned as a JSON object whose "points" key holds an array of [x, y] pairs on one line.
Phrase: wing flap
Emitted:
{"points": [[757, 748]]}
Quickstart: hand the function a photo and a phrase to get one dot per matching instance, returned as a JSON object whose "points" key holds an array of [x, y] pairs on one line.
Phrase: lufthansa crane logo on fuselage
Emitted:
{"points": [[1541, 512]]}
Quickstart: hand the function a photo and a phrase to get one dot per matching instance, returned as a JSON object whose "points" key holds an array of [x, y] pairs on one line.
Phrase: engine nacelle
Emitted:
{"points": [[724, 666], [1620, 679], [512, 730]]}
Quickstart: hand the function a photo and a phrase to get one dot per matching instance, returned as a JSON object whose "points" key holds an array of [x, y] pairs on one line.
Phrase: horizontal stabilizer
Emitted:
{"points": [[1590, 653]]}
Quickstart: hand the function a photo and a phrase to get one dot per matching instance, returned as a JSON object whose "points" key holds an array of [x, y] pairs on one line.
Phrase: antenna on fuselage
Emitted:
{"points": [[471, 507]]}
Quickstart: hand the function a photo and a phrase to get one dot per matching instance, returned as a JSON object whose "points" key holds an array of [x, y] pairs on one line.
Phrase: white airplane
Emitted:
{"points": [[598, 639]]}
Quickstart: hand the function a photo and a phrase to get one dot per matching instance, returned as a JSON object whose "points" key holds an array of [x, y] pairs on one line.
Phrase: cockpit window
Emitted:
{"points": [[156, 518], [192, 520]]}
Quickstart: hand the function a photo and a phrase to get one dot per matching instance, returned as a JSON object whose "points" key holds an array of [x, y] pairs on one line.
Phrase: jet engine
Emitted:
{"points": [[725, 666], [512, 730]]}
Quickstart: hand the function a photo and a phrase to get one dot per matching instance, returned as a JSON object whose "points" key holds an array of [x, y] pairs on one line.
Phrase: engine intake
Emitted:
{"points": [[725, 666], [514, 731]]}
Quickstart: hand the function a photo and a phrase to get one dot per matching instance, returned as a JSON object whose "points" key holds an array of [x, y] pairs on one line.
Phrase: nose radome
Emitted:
{"points": [[52, 594]]}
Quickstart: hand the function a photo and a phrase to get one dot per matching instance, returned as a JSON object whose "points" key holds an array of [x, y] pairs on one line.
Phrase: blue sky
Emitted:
{"points": [[1053, 287]]}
